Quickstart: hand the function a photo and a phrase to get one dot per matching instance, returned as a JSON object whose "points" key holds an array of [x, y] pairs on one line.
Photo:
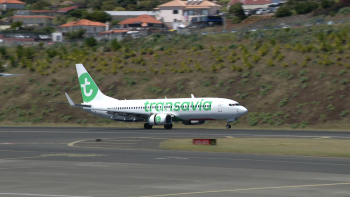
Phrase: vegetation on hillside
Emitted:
{"points": [[295, 77]]}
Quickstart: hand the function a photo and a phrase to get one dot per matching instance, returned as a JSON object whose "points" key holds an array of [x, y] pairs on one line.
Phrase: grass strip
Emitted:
{"points": [[278, 146]]}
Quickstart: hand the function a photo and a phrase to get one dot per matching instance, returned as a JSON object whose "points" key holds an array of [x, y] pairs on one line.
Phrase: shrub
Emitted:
{"points": [[304, 7], [129, 81], [206, 83], [321, 75], [237, 10], [283, 102], [283, 12], [344, 113], [330, 107]]}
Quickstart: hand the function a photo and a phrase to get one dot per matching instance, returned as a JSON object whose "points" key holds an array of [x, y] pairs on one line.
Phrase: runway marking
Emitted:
{"points": [[52, 195], [72, 143], [249, 189]]}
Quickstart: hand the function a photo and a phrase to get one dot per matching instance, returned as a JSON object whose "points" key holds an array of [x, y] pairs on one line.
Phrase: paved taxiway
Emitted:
{"points": [[66, 162]]}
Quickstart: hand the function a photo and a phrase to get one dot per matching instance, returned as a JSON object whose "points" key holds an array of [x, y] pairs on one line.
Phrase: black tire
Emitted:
{"points": [[147, 126], [228, 126], [168, 126]]}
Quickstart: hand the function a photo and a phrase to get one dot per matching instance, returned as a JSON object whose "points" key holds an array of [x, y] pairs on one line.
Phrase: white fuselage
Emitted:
{"points": [[179, 108]]}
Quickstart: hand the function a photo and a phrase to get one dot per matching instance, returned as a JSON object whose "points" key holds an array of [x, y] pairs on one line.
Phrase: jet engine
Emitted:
{"points": [[159, 119], [193, 122]]}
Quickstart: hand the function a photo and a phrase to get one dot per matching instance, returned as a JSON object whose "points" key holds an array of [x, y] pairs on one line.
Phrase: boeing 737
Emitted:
{"points": [[190, 111]]}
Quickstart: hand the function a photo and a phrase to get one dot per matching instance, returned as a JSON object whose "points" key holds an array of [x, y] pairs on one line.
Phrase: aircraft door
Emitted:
{"points": [[220, 107]]}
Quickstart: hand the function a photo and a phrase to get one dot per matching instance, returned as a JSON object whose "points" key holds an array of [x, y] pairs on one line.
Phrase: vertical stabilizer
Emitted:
{"points": [[89, 89]]}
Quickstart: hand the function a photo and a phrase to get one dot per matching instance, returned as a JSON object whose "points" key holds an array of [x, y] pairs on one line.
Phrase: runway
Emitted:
{"points": [[69, 162]]}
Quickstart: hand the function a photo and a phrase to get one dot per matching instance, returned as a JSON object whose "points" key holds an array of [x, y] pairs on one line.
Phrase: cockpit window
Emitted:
{"points": [[238, 104]]}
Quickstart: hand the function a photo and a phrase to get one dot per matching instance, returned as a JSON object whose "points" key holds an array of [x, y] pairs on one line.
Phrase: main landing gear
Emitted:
{"points": [[168, 126], [147, 126], [228, 126]]}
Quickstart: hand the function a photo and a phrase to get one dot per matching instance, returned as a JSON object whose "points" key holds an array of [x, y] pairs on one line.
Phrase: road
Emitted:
{"points": [[69, 162]]}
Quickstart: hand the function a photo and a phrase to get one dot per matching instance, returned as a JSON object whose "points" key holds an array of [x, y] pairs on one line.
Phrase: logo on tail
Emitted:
{"points": [[88, 87]]}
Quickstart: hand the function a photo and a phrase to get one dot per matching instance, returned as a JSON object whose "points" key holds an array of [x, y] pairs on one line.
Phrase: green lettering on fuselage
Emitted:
{"points": [[151, 106], [177, 106], [194, 107], [161, 104], [207, 105], [170, 104], [185, 106]]}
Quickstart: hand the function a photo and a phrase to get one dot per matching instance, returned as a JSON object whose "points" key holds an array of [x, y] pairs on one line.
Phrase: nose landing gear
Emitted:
{"points": [[228, 126]]}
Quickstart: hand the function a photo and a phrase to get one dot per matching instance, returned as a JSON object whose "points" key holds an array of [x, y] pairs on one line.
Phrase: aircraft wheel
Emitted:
{"points": [[147, 126], [228, 126], [168, 126]]}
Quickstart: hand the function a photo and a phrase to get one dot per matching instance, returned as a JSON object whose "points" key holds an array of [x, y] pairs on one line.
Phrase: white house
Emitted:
{"points": [[186, 12]]}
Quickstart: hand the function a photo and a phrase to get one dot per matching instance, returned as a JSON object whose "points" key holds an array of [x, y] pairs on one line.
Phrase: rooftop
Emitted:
{"points": [[11, 1], [131, 13], [67, 9], [140, 19], [43, 11], [190, 3], [31, 16], [114, 31], [83, 22]]}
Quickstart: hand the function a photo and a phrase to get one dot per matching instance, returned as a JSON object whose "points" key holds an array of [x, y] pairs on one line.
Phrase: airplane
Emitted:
{"points": [[191, 111], [9, 75]]}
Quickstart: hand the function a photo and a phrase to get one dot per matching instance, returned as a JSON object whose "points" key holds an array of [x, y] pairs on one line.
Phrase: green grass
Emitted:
{"points": [[276, 146]]}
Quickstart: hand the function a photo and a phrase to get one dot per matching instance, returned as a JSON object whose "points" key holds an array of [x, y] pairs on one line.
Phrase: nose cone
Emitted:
{"points": [[243, 111]]}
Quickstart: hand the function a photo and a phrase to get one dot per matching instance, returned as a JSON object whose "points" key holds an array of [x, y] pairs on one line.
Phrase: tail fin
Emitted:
{"points": [[89, 89]]}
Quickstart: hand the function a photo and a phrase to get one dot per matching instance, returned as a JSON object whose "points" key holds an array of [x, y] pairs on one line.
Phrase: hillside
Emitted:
{"points": [[291, 78]]}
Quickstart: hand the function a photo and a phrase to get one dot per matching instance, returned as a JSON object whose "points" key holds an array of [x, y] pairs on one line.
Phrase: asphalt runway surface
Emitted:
{"points": [[69, 162]]}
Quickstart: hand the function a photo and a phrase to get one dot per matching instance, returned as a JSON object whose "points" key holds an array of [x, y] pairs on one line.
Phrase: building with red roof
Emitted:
{"points": [[252, 4], [89, 26], [11, 4], [141, 21]]}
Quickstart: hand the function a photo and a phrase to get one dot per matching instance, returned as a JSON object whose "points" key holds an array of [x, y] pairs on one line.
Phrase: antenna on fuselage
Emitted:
{"points": [[166, 97], [192, 95]]}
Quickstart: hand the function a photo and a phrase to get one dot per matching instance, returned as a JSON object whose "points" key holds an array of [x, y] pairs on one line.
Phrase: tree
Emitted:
{"points": [[326, 3], [99, 16], [283, 12], [108, 5], [78, 13], [40, 5], [90, 42], [59, 19], [345, 2], [237, 10], [115, 45], [48, 30], [305, 7], [75, 34], [119, 9], [16, 24]]}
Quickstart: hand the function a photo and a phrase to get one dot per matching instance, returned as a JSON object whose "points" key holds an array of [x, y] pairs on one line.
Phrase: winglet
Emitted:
{"points": [[71, 103], [192, 95]]}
